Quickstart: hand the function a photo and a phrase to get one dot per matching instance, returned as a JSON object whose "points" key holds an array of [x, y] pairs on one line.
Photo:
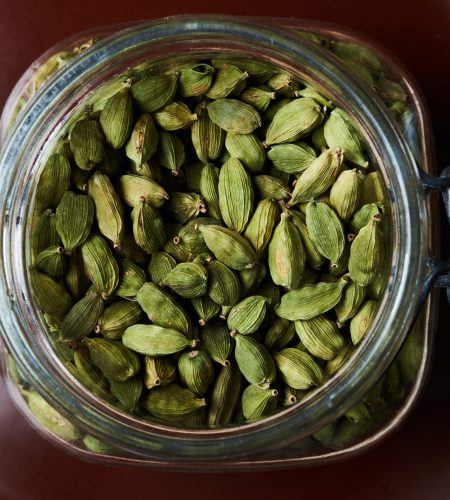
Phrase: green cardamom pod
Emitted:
{"points": [[363, 216], [194, 79], [310, 300], [116, 119], [279, 334], [362, 320], [86, 143], [76, 280], [258, 402], [192, 176], [320, 336], [136, 188], [248, 314], [391, 91], [318, 139], [258, 71], [310, 91], [143, 143], [159, 371], [171, 153], [348, 306], [234, 116], [269, 187], [223, 284], [271, 292], [117, 318], [252, 278], [284, 84], [52, 262], [131, 279], [292, 396], [175, 116], [259, 97], [130, 250], [373, 190], [205, 308], [44, 233], [229, 81], [98, 447], [207, 137], [192, 238], [187, 280], [313, 257], [185, 206], [346, 192], [209, 188], [298, 369], [358, 413], [292, 158], [340, 267], [154, 92], [216, 340], [160, 266], [411, 354], [340, 359], [82, 317], [246, 148], [196, 371], [148, 227], [128, 392], [254, 361], [150, 169], [54, 181]]}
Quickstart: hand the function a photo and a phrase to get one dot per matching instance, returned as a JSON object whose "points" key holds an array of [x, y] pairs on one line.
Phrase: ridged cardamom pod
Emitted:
{"points": [[44, 233], [310, 300], [229, 81], [130, 250], [207, 137], [318, 139], [346, 192], [150, 169], [313, 257], [159, 371], [52, 262], [271, 292], [235, 195], [171, 153], [148, 227], [76, 280], [160, 266], [205, 308], [86, 143], [223, 284], [293, 396], [358, 413], [248, 314], [310, 91], [143, 143], [391, 91], [209, 188], [340, 267], [50, 295], [286, 254], [136, 188], [216, 340], [128, 392], [320, 336], [269, 187], [100, 266], [258, 402], [229, 247], [175, 116], [251, 278], [284, 84], [279, 334], [259, 97], [298, 369], [411, 356], [54, 181], [318, 177], [154, 92], [192, 238], [234, 116], [131, 279], [117, 317], [340, 132], [187, 280], [108, 208], [362, 320], [248, 149], [340, 359], [348, 306], [326, 230], [115, 361], [292, 158], [366, 253], [293, 121], [194, 79], [254, 361], [363, 216], [74, 217], [185, 206], [373, 191], [153, 340], [172, 402], [196, 371], [163, 310], [116, 119], [258, 71]]}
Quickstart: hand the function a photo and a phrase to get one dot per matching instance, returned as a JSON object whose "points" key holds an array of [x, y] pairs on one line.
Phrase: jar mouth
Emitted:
{"points": [[167, 39]]}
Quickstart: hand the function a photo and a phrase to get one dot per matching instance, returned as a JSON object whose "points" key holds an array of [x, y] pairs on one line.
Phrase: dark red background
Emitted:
{"points": [[415, 463]]}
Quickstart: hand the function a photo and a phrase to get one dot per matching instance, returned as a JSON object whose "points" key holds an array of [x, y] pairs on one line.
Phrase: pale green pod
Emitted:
{"points": [[187, 279], [318, 139], [269, 187], [73, 219], [340, 132], [172, 402], [292, 396], [310, 91], [313, 257], [251, 279], [349, 433], [366, 253], [191, 237], [326, 230], [207, 137], [229, 81], [310, 300], [196, 371], [280, 175], [96, 446], [163, 310], [148, 227], [100, 266], [82, 318], [116, 119], [186, 206], [340, 267], [154, 92], [115, 361], [358, 413], [377, 285], [320, 336], [363, 216], [159, 371], [284, 84], [235, 195], [160, 266], [373, 190], [273, 109], [50, 295], [108, 208], [293, 121], [150, 169], [279, 334], [346, 192], [259, 97], [142, 144], [174, 116], [128, 392], [362, 320], [131, 279], [171, 153], [209, 189], [254, 361], [286, 254], [75, 279], [257, 70], [318, 177], [391, 91], [362, 72], [52, 262], [247, 315], [348, 306], [298, 369], [54, 181], [411, 354], [258, 402], [292, 158], [117, 318], [44, 233], [136, 188], [153, 340], [340, 359], [216, 340], [130, 250], [234, 116], [223, 284], [194, 78], [229, 247], [86, 143], [248, 149], [205, 308], [225, 396]]}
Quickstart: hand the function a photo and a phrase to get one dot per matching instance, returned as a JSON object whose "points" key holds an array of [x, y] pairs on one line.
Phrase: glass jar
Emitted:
{"points": [[395, 355]]}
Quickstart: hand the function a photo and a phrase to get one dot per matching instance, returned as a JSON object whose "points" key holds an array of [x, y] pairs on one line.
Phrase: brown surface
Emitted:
{"points": [[415, 463]]}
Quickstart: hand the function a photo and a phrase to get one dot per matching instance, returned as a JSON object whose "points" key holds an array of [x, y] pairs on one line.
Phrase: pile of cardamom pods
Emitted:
{"points": [[209, 243]]}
